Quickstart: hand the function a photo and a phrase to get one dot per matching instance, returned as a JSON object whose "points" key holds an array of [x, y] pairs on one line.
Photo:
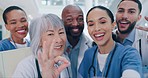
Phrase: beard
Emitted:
{"points": [[69, 31], [129, 29]]}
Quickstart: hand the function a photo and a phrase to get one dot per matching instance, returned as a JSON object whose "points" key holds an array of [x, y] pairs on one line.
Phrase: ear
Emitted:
{"points": [[139, 17], [7, 27], [113, 25]]}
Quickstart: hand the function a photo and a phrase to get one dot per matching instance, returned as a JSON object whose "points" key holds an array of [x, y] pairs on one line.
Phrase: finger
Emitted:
{"points": [[51, 50], [45, 51], [142, 28], [65, 63], [40, 60]]}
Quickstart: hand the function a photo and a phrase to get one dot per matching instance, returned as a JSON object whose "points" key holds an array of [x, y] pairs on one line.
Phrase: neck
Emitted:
{"points": [[121, 36], [105, 49], [17, 40], [73, 40]]}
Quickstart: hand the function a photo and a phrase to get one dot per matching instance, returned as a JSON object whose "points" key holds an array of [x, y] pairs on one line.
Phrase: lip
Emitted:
{"points": [[99, 36], [21, 31], [75, 29], [124, 24], [58, 47]]}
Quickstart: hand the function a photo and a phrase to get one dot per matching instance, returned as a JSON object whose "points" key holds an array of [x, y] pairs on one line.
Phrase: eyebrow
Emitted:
{"points": [[98, 19], [61, 29], [128, 9], [53, 30]]}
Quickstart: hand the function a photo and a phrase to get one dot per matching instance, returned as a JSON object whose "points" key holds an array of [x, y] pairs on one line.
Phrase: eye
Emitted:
{"points": [[24, 20], [50, 34], [69, 19], [102, 22], [12, 22], [120, 11], [80, 19], [90, 24], [131, 12], [61, 32]]}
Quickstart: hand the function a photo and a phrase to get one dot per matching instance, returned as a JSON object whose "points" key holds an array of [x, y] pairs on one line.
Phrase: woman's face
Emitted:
{"points": [[17, 24], [55, 39], [100, 26]]}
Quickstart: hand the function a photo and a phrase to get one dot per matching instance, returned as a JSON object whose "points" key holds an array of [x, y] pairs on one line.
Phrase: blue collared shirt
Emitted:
{"points": [[73, 54], [129, 40]]}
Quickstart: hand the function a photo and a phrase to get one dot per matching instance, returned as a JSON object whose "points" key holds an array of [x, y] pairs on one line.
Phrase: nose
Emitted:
{"points": [[20, 24], [125, 15], [97, 26], [75, 23], [58, 39]]}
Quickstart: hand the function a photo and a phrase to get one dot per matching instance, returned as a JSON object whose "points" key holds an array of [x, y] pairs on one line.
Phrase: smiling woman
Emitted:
{"points": [[16, 22], [48, 39]]}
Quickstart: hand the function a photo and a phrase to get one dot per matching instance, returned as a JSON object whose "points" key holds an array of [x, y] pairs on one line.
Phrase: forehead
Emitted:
{"points": [[128, 5], [15, 13], [97, 13], [73, 11]]}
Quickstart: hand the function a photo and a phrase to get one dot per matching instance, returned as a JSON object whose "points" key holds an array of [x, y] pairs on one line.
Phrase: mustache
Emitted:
{"points": [[124, 20]]}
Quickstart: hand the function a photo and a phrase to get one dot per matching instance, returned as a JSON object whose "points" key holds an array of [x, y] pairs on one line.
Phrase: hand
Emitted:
{"points": [[146, 18], [142, 28], [47, 62]]}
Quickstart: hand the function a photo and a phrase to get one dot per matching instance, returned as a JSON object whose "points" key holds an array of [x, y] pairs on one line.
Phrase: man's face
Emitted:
{"points": [[73, 22], [127, 15]]}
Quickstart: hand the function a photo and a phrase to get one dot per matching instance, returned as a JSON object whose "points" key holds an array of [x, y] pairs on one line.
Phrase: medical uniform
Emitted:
{"points": [[7, 45], [139, 40], [118, 60]]}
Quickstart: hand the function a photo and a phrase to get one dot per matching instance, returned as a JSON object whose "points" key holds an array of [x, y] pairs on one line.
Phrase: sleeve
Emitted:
{"points": [[129, 73], [25, 69], [131, 60]]}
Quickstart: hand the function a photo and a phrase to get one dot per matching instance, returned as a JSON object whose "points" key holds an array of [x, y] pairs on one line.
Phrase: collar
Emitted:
{"points": [[131, 36], [77, 46]]}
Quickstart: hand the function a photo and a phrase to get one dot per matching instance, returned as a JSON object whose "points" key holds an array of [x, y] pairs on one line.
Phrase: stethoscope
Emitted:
{"points": [[93, 67]]}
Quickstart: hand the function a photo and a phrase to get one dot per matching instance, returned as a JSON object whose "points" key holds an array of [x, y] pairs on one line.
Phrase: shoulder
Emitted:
{"points": [[4, 41], [27, 63], [126, 49], [127, 52], [86, 40], [89, 52], [6, 45], [26, 68]]}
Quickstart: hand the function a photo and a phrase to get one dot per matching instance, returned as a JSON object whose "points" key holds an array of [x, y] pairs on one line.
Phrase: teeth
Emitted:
{"points": [[98, 35], [124, 22], [57, 47], [75, 29], [21, 31]]}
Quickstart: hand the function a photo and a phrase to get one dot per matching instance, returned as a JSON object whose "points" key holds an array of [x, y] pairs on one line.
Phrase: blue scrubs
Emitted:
{"points": [[7, 45], [124, 57]]}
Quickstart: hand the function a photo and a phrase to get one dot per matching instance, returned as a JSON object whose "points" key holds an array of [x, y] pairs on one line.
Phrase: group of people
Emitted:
{"points": [[61, 49]]}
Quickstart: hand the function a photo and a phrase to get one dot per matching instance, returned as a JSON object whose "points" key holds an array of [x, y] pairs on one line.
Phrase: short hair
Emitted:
{"points": [[110, 14], [10, 8], [40, 25], [137, 1]]}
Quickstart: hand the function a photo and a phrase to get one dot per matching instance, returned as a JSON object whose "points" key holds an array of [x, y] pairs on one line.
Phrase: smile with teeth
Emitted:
{"points": [[124, 22], [20, 31], [75, 29], [99, 35], [58, 47]]}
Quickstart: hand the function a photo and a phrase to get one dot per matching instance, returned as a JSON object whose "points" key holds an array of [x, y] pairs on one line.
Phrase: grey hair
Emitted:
{"points": [[40, 25]]}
